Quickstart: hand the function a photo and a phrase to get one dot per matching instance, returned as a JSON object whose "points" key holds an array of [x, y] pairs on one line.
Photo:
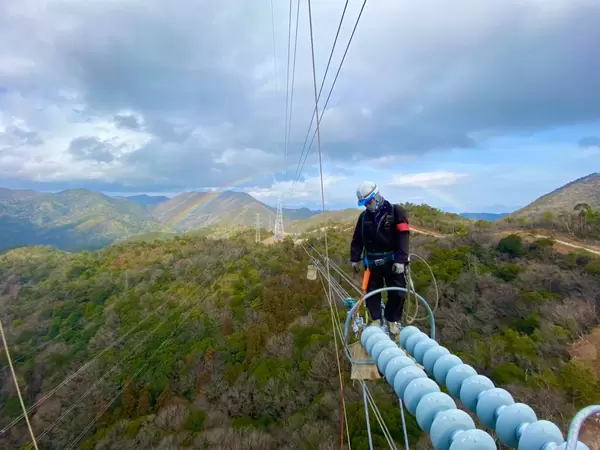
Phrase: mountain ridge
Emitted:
{"points": [[76, 219], [563, 199]]}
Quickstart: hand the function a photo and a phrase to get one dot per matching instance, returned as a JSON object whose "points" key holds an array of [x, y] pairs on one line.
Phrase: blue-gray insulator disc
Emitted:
{"points": [[510, 418], [374, 339], [387, 355], [538, 434], [473, 440], [443, 365], [413, 340], [422, 347], [456, 376], [367, 333], [446, 424], [472, 388], [432, 355], [404, 377], [416, 390], [381, 346], [488, 404], [406, 332], [395, 365], [430, 405]]}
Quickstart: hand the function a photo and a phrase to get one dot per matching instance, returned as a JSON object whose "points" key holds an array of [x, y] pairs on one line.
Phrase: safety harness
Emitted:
{"points": [[376, 259]]}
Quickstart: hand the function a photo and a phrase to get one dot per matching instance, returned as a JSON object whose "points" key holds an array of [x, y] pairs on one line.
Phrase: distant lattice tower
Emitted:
{"points": [[257, 236], [278, 231]]}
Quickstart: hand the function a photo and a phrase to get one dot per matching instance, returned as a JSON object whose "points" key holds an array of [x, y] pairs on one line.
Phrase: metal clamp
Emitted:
{"points": [[377, 291]]}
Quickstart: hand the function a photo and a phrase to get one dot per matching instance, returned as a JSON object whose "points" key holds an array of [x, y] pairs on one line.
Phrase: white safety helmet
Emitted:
{"points": [[366, 192]]}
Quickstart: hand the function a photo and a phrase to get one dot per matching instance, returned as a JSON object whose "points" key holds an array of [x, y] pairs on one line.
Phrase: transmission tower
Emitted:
{"points": [[257, 236], [279, 221]]}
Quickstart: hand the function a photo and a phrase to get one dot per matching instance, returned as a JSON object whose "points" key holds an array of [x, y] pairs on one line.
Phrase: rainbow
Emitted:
{"points": [[207, 198], [443, 196]]}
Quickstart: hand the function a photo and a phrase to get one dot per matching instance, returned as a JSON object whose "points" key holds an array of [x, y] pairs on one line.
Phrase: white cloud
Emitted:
{"points": [[250, 157], [197, 99], [428, 179], [308, 190]]}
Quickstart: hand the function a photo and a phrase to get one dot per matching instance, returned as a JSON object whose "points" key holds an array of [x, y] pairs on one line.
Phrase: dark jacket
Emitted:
{"points": [[380, 234]]}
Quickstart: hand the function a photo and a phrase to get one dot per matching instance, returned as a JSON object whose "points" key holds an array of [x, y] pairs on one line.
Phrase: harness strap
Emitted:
{"points": [[385, 255]]}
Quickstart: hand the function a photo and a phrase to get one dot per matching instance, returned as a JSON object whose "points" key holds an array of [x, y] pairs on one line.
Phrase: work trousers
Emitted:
{"points": [[395, 302]]}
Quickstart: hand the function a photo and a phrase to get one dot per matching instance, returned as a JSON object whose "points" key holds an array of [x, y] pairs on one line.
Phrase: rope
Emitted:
{"points": [[14, 376], [412, 289]]}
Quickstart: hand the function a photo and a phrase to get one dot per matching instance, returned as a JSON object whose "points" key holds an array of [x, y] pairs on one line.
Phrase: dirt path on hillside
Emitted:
{"points": [[562, 244], [588, 349]]}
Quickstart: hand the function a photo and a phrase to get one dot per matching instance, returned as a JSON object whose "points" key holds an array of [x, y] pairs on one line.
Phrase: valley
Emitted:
{"points": [[170, 339]]}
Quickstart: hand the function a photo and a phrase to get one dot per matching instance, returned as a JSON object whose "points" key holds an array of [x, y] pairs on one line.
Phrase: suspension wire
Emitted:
{"points": [[337, 327], [322, 83], [329, 295], [80, 370], [289, 125], [332, 86], [379, 417], [21, 358], [14, 376], [376, 411], [274, 52], [97, 356], [403, 423], [339, 367], [109, 404], [106, 374], [189, 311], [89, 319], [367, 416], [287, 87]]}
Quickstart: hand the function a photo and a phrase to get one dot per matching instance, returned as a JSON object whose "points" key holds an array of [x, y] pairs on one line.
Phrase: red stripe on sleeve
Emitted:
{"points": [[402, 227]]}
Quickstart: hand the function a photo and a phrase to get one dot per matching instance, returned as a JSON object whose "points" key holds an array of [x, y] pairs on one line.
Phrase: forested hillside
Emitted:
{"points": [[226, 344]]}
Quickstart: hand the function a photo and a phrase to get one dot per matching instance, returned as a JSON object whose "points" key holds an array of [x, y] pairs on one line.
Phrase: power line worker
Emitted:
{"points": [[382, 233]]}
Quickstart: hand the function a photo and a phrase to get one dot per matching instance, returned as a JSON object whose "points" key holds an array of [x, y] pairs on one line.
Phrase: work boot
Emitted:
{"points": [[375, 323], [394, 329]]}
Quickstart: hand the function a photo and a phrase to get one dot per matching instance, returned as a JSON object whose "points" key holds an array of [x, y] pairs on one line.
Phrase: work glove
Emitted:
{"points": [[356, 266], [398, 268]]}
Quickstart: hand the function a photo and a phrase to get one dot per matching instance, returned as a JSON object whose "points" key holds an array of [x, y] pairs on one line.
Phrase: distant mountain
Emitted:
{"points": [[145, 199], [81, 219], [71, 220], [565, 198], [345, 217], [193, 210], [484, 216]]}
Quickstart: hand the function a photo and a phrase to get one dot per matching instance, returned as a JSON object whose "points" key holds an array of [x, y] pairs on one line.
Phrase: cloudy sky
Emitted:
{"points": [[467, 105]]}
